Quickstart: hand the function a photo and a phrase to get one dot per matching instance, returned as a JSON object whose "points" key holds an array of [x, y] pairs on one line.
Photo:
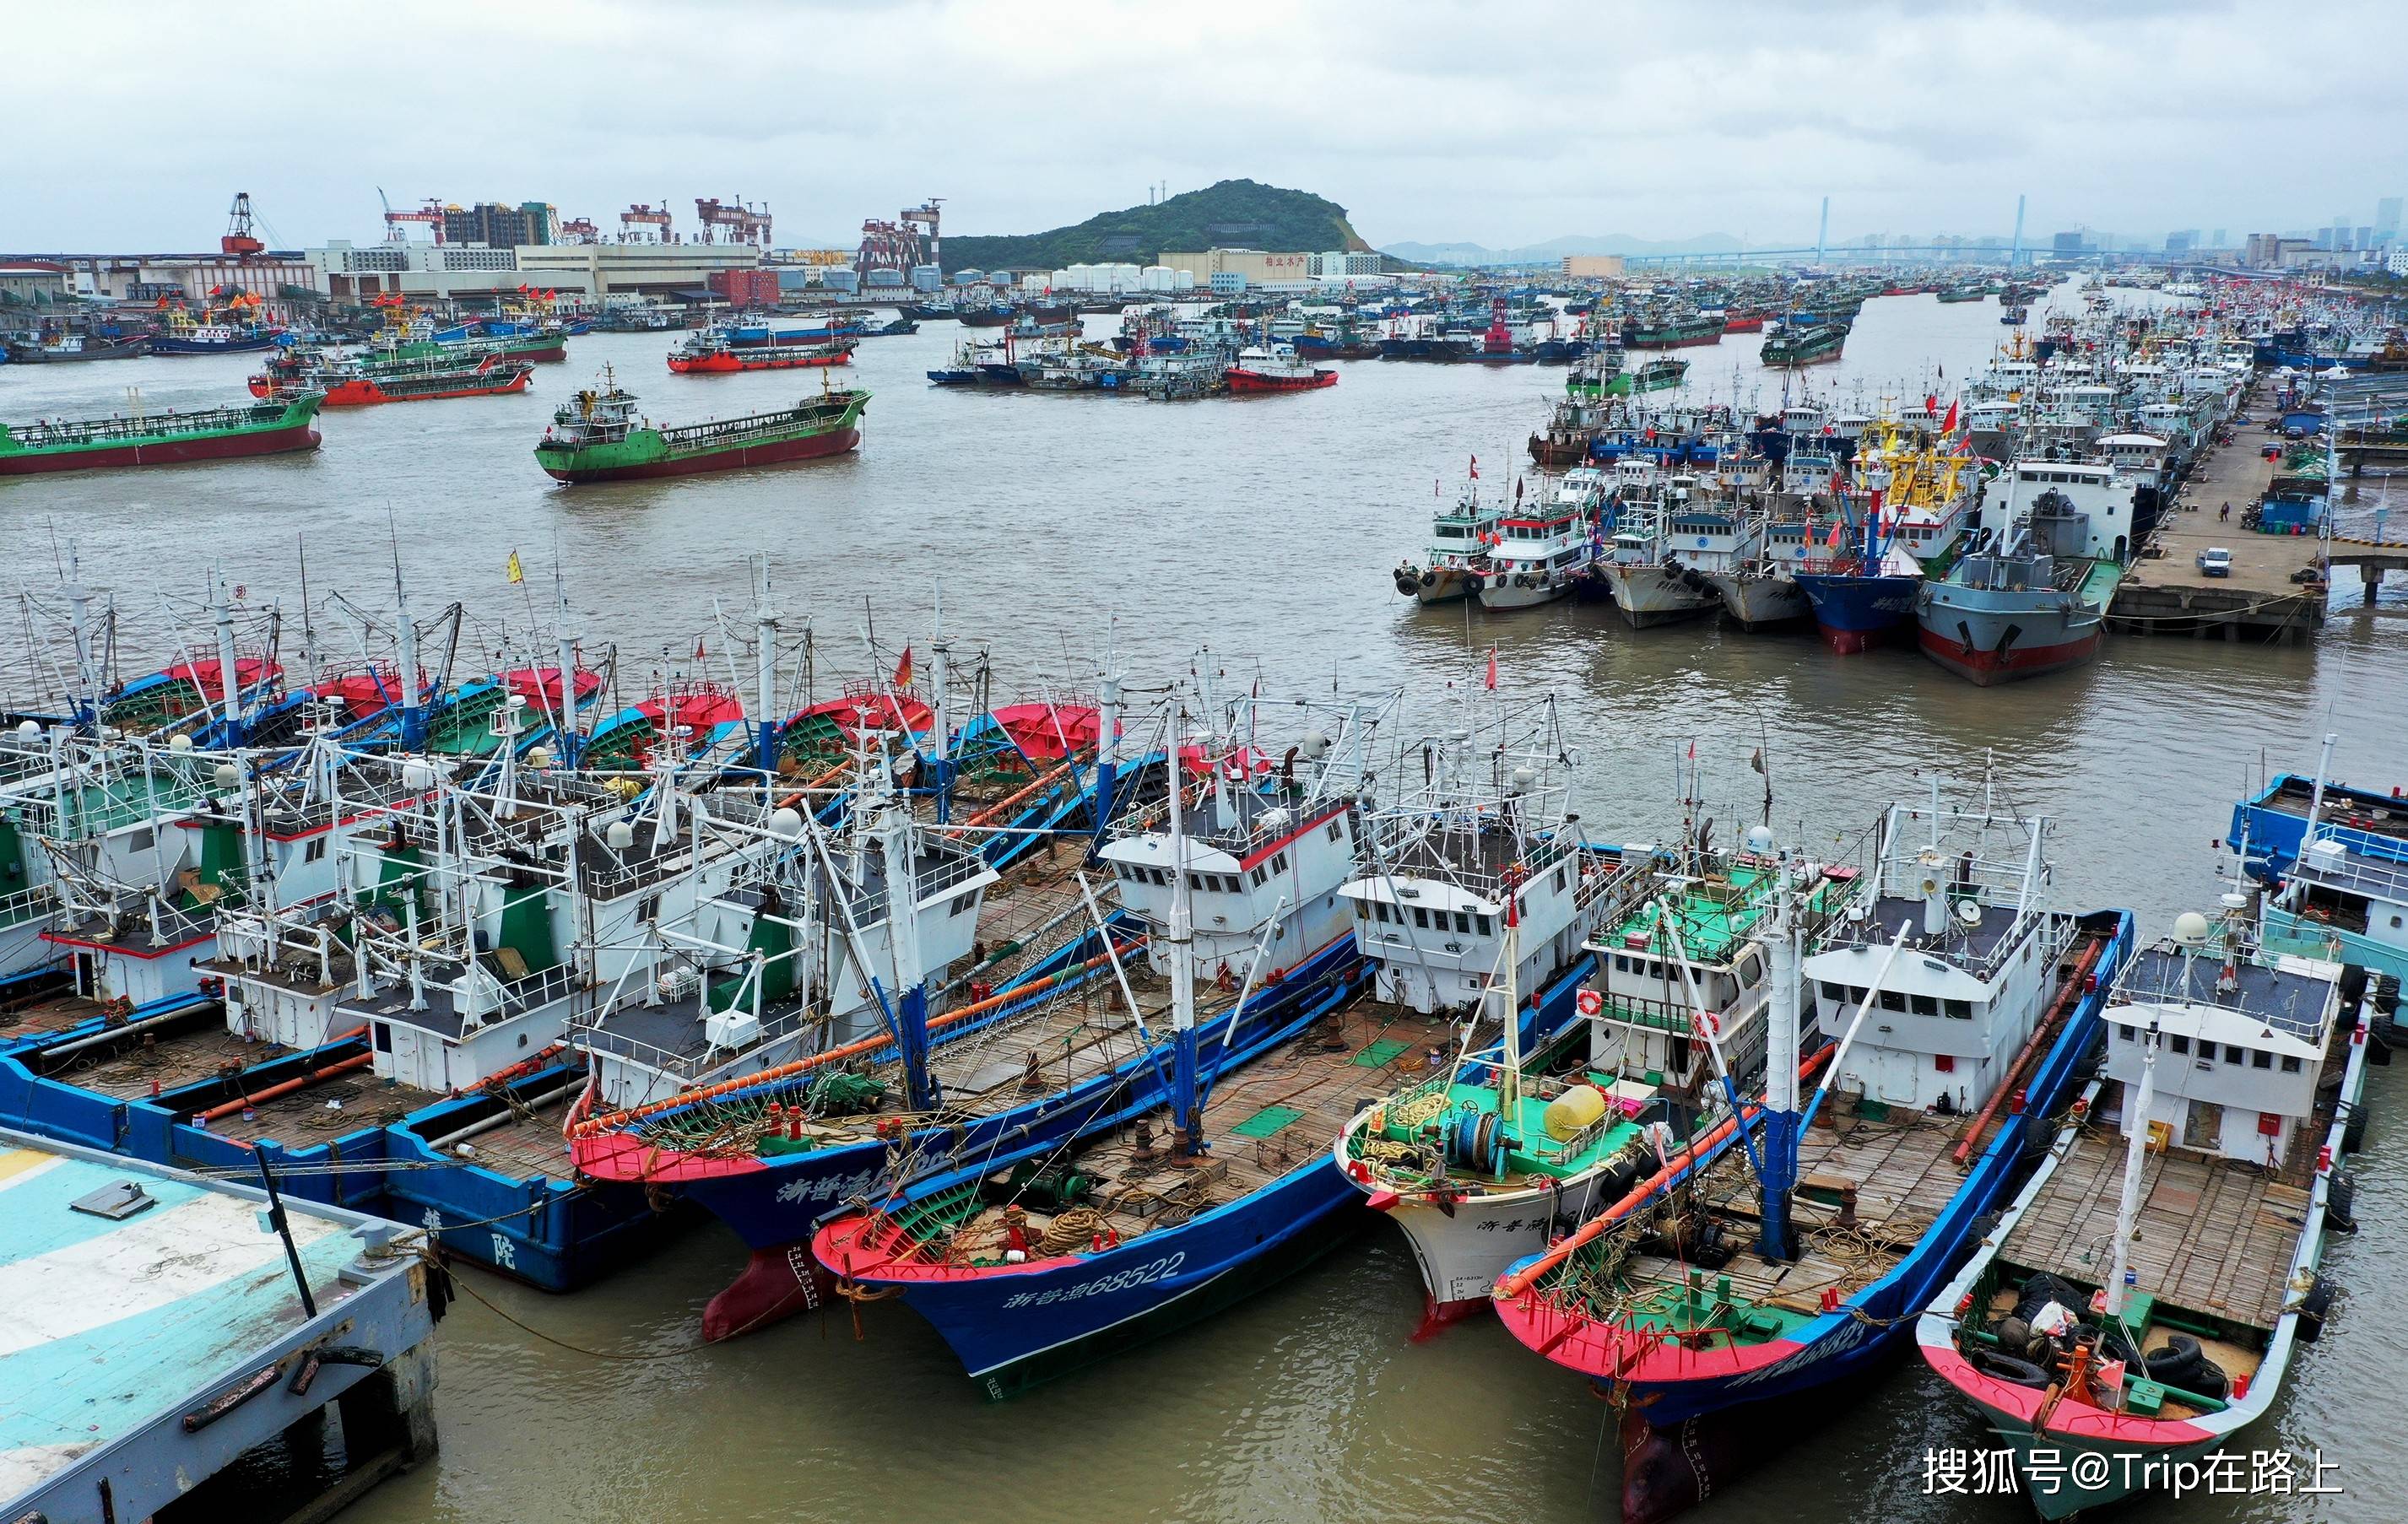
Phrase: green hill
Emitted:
{"points": [[1234, 214]]}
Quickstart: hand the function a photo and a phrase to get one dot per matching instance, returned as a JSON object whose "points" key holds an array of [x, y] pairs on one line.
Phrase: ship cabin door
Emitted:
{"points": [[2203, 1127], [1893, 1074], [2120, 543]]}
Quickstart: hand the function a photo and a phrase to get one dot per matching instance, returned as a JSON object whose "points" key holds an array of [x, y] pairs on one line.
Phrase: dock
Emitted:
{"points": [[155, 1327], [2166, 594]]}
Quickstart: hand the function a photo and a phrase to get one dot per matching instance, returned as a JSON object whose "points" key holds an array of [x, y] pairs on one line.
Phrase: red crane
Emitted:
{"points": [[431, 213], [744, 224], [239, 240], [579, 230], [642, 214], [900, 245]]}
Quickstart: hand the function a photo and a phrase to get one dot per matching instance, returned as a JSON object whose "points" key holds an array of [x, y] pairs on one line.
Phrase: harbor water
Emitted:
{"points": [[1264, 529]]}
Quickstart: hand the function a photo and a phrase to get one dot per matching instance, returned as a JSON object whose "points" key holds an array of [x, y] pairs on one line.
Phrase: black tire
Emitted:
{"points": [[2177, 1363], [1430, 579], [2007, 1367], [2353, 1130], [2313, 1309], [2340, 1205]]}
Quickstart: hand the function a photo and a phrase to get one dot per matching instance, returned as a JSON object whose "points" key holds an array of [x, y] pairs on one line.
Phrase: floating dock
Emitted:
{"points": [[154, 1327], [2167, 596]]}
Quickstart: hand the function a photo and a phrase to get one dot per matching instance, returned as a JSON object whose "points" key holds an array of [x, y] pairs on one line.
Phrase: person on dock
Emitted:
{"points": [[2225, 512]]}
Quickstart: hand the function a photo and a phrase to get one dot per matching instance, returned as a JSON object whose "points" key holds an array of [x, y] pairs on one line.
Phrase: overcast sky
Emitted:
{"points": [[130, 126]]}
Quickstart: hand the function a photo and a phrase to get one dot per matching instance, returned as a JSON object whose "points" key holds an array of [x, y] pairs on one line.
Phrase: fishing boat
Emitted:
{"points": [[1572, 428], [1024, 1069], [1542, 552], [2335, 862], [48, 349], [234, 329], [1666, 534], [1795, 345], [169, 439], [1506, 1150], [2015, 316], [1906, 508], [1659, 375], [1792, 1245], [1031, 1265], [1460, 541], [2034, 601], [1671, 332], [1275, 368], [2145, 1298], [598, 436], [713, 352], [1760, 590]]}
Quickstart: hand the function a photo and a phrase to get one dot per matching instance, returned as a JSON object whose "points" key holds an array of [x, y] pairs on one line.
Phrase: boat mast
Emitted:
{"points": [[894, 840], [2136, 1160], [571, 736], [79, 614], [413, 716], [940, 654], [1777, 1240], [1509, 1074], [1187, 1115], [1107, 746], [766, 704], [2317, 797], [229, 672]]}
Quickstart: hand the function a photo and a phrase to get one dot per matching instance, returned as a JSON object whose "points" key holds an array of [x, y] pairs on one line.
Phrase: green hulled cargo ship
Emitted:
{"points": [[214, 434], [1673, 333], [598, 436]]}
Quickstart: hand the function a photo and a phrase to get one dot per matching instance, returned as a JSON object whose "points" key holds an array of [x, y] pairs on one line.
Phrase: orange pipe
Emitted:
{"points": [[848, 1051], [288, 1086], [997, 808], [1515, 1285]]}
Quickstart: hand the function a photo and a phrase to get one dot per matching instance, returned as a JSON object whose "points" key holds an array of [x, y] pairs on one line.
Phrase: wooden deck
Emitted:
{"points": [[2214, 1238], [1320, 1080], [1903, 1177]]}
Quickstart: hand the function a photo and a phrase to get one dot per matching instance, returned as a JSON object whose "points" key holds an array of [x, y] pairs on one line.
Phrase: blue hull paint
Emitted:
{"points": [[781, 1203], [1870, 1324], [1015, 1330], [1855, 613]]}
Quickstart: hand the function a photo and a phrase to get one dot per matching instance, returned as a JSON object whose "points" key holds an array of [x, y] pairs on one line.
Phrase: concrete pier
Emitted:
{"points": [[155, 1327], [2166, 594]]}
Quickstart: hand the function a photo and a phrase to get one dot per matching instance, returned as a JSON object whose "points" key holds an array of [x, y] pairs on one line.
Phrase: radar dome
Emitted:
{"points": [[2190, 927]]}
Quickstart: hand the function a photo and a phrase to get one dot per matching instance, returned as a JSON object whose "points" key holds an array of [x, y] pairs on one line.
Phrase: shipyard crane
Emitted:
{"points": [[579, 230], [744, 224], [900, 245], [431, 214], [641, 215], [239, 240]]}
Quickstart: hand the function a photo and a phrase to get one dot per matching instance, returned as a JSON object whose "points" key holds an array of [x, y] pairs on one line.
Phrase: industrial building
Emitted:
{"points": [[33, 283], [1592, 266], [429, 272], [1226, 270], [282, 279]]}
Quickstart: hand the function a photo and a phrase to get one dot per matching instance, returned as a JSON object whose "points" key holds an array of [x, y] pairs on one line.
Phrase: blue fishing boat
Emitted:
{"points": [[1777, 1255], [2334, 859]]}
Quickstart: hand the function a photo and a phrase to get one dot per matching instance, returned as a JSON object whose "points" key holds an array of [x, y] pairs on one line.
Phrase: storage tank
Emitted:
{"points": [[1061, 280], [1182, 280], [1125, 277], [840, 278], [927, 277], [1156, 277]]}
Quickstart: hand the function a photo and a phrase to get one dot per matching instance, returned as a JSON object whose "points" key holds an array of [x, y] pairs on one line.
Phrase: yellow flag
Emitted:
{"points": [[516, 573]]}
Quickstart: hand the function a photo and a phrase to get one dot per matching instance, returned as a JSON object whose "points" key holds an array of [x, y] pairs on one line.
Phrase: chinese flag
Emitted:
{"points": [[903, 669], [1492, 669], [1475, 468], [1948, 424]]}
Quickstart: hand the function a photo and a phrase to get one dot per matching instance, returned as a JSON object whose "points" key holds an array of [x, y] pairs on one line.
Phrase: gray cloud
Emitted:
{"points": [[1432, 119]]}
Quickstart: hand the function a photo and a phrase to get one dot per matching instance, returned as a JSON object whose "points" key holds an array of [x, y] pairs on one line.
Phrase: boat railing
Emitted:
{"points": [[2376, 877], [28, 904]]}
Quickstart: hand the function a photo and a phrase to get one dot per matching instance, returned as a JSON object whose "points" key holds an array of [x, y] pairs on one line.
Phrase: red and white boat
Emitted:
{"points": [[701, 355], [1276, 370]]}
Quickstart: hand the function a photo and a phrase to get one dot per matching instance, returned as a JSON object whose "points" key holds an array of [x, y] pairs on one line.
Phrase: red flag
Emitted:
{"points": [[903, 669], [1491, 684], [1833, 538], [1475, 468], [1948, 424], [1517, 489], [1931, 402], [1693, 751]]}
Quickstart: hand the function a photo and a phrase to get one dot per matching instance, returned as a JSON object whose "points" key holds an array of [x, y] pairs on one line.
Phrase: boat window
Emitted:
{"points": [[2231, 1053], [2290, 1063], [1278, 864], [1421, 917], [2178, 1045], [1893, 1000], [1621, 962], [383, 1036], [1559, 878], [1925, 1005], [2259, 1060], [1833, 992], [1161, 879], [1482, 919], [649, 908], [2123, 1033], [1463, 921], [1963, 1011], [1336, 831], [1258, 877], [317, 848]]}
